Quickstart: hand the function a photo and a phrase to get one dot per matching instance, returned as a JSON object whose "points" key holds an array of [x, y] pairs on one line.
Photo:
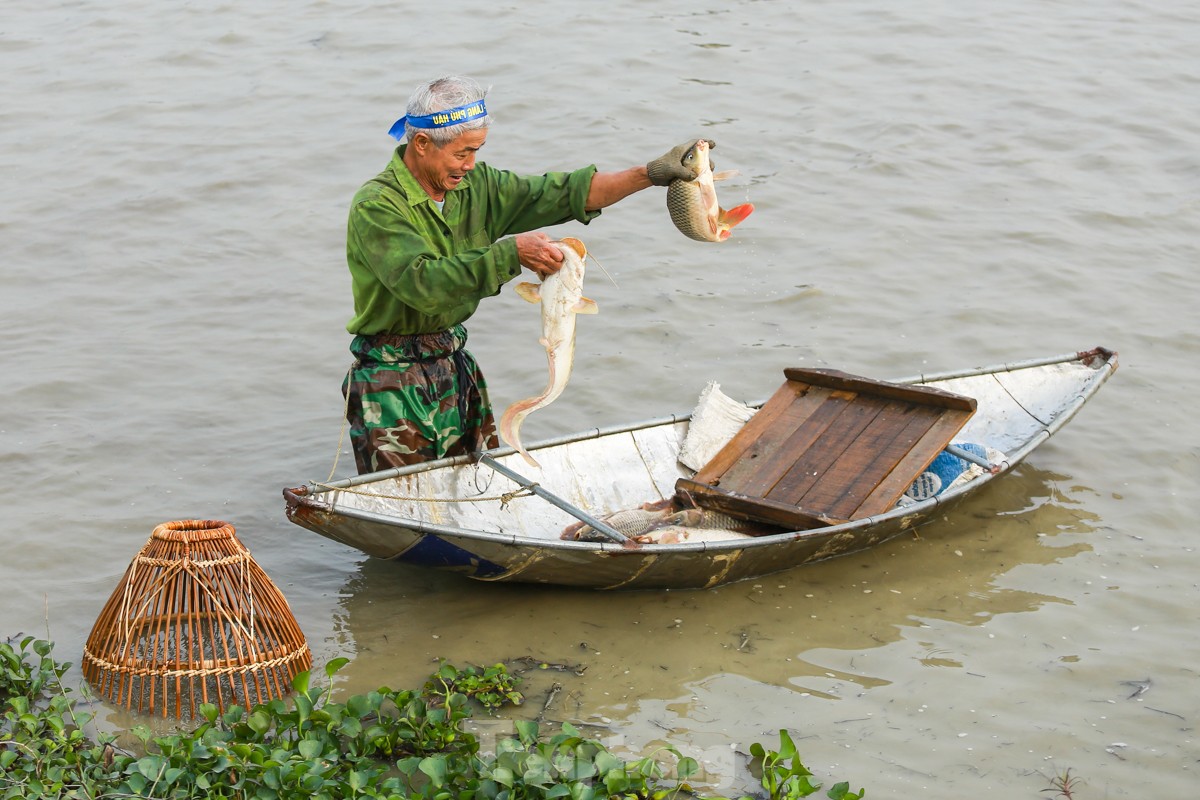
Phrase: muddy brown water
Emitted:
{"points": [[935, 188]]}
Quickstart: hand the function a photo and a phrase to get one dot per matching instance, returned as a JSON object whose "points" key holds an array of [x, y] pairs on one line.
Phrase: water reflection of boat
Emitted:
{"points": [[796, 630], [483, 519]]}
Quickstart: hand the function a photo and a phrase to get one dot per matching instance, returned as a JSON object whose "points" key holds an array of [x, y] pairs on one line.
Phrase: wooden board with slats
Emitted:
{"points": [[828, 447]]}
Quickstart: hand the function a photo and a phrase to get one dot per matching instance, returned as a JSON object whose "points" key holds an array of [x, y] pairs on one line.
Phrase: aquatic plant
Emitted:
{"points": [[784, 776], [19, 678], [492, 687], [382, 744], [1064, 784]]}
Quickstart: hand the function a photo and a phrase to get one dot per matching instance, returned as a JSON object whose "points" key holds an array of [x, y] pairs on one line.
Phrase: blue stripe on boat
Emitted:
{"points": [[432, 551]]}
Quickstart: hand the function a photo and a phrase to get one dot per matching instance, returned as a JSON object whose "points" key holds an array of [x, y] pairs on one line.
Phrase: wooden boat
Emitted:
{"points": [[479, 516]]}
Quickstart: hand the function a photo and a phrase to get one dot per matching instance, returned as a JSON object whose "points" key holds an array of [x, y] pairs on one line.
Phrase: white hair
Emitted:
{"points": [[440, 94]]}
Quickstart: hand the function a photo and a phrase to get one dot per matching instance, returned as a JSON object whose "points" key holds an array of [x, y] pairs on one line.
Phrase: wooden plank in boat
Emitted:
{"points": [[833, 447], [759, 509], [780, 402]]}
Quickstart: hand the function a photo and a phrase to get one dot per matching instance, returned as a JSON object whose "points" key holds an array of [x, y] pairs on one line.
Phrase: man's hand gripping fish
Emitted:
{"points": [[693, 203], [561, 298]]}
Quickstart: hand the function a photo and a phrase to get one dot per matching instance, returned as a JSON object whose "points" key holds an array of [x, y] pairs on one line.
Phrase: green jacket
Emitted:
{"points": [[415, 269]]}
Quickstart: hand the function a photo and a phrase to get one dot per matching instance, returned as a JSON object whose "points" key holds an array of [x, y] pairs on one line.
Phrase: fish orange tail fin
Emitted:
{"points": [[736, 214], [510, 427]]}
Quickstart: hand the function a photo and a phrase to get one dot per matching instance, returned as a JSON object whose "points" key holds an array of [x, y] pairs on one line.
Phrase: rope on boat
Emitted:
{"points": [[504, 499], [345, 422]]}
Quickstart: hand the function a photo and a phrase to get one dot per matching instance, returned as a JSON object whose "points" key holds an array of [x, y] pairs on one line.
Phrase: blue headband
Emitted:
{"points": [[440, 119]]}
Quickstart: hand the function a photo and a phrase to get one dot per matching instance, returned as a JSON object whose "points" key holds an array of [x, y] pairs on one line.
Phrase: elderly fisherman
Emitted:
{"points": [[427, 239]]}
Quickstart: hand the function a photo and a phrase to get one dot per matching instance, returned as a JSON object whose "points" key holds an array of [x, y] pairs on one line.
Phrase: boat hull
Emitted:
{"points": [[605, 566], [410, 515]]}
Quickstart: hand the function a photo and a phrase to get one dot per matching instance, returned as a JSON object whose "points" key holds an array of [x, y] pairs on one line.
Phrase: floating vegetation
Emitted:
{"points": [[383, 744]]}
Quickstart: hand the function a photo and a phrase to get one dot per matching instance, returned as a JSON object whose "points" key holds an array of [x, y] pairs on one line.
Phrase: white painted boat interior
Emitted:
{"points": [[626, 469]]}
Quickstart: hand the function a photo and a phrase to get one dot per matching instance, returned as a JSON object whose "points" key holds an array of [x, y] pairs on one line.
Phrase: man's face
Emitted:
{"points": [[440, 169]]}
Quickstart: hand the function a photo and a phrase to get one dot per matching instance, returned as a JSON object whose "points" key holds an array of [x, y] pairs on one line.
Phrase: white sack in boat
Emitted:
{"points": [[714, 422]]}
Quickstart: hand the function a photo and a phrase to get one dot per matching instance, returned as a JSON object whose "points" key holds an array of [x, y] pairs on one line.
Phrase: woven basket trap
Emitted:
{"points": [[194, 620]]}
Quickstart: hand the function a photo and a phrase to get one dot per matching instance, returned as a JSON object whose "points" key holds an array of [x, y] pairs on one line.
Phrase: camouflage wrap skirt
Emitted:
{"points": [[415, 398]]}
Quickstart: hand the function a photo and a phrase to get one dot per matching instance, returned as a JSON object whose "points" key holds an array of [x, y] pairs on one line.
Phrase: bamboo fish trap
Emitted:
{"points": [[194, 620]]}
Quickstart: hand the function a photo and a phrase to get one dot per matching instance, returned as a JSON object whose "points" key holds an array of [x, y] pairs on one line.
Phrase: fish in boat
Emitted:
{"points": [[693, 203], [561, 298], [465, 514]]}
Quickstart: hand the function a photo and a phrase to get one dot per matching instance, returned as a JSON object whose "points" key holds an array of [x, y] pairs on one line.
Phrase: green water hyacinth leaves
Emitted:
{"points": [[19, 678], [492, 687], [568, 765], [784, 776], [400, 745]]}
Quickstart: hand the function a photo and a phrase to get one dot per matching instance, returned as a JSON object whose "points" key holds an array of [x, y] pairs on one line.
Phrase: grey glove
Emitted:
{"points": [[669, 166]]}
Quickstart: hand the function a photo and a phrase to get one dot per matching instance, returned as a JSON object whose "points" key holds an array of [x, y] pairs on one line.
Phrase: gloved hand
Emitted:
{"points": [[669, 166]]}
